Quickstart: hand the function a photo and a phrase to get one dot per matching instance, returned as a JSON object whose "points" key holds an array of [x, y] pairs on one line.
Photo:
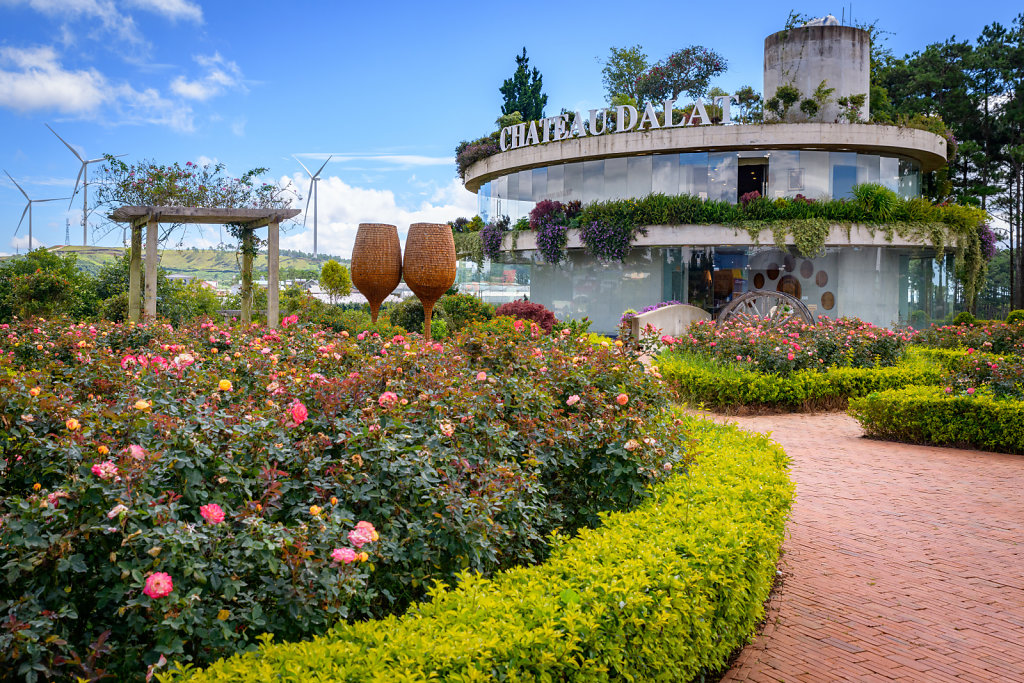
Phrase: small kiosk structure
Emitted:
{"points": [[249, 219]]}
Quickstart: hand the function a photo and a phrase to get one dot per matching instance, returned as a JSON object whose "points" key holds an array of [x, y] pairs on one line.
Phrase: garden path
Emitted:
{"points": [[902, 562]]}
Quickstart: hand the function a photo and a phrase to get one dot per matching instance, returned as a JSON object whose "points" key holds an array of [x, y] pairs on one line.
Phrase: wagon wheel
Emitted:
{"points": [[763, 306]]}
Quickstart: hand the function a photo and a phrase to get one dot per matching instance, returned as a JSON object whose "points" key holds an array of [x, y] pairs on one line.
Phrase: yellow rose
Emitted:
{"points": [[72, 424], [314, 510], [34, 391], [225, 385], [223, 615], [363, 557], [102, 450], [143, 404]]}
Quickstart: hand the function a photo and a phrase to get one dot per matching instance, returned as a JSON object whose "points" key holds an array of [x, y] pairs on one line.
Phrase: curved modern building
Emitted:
{"points": [[581, 157]]}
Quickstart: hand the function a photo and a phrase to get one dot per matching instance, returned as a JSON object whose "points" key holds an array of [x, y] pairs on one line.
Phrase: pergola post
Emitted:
{"points": [[273, 284], [151, 261], [135, 274], [248, 247]]}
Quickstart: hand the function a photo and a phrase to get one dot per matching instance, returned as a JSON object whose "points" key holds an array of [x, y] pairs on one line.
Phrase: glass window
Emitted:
{"points": [[867, 168], [593, 181], [638, 176], [483, 201], [525, 186], [723, 168], [540, 184], [693, 174], [889, 172], [813, 175], [556, 178], [844, 174], [615, 176], [665, 174], [784, 176], [573, 181], [910, 179]]}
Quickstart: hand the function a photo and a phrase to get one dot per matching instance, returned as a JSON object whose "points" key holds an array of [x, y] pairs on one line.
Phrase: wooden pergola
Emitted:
{"points": [[249, 219]]}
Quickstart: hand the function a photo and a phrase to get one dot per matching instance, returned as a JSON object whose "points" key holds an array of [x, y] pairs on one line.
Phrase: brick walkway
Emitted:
{"points": [[902, 562]]}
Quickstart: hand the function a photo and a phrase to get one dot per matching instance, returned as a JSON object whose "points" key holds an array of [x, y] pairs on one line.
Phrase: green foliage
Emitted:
{"points": [[335, 280], [522, 92], [688, 70], [44, 283], [663, 593], [730, 387], [1001, 338], [409, 315], [930, 415], [621, 71], [786, 95], [466, 456], [1015, 317], [462, 309], [964, 318]]}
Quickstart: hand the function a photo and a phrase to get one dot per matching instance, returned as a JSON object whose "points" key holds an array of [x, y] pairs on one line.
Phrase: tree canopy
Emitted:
{"points": [[689, 71], [522, 92], [621, 71], [335, 280]]}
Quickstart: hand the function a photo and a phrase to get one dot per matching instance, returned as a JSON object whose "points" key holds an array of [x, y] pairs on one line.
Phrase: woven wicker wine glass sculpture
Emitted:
{"points": [[429, 265], [376, 263]]}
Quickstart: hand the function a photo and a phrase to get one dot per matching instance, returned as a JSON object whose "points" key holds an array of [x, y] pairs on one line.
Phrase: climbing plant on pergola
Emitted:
{"points": [[247, 222]]}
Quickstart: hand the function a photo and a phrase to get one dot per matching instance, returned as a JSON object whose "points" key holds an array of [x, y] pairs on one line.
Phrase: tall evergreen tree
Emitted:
{"points": [[522, 92]]}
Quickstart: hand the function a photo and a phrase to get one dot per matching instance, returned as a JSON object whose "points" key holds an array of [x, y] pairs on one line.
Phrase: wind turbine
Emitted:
{"points": [[28, 209], [314, 178], [83, 174]]}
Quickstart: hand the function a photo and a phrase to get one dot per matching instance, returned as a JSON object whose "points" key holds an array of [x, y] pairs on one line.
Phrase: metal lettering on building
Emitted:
{"points": [[598, 122]]}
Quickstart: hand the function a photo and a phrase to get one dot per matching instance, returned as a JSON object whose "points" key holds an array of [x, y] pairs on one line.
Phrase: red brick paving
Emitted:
{"points": [[902, 562]]}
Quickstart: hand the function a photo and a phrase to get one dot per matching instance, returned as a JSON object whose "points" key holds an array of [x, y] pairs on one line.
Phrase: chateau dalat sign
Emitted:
{"points": [[627, 118]]}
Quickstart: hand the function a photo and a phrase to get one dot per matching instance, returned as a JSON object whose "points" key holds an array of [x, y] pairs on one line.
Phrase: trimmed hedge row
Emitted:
{"points": [[724, 387], [929, 415], [661, 593]]}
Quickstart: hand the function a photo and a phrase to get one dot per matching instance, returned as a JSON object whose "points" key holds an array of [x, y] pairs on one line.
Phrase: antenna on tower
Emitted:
{"points": [[83, 175], [314, 178], [28, 209], [67, 232]]}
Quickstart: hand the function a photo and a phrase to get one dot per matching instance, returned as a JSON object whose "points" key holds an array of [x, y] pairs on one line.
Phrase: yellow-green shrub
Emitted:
{"points": [[661, 593], [930, 415], [725, 387]]}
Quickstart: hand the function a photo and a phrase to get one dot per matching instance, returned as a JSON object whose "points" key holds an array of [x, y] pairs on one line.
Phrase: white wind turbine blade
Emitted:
{"points": [[17, 185], [75, 192], [322, 167], [73, 150], [303, 166], [55, 199], [22, 218], [309, 196]]}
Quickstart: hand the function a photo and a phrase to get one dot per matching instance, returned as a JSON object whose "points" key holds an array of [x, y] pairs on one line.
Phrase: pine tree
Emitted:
{"points": [[522, 92]]}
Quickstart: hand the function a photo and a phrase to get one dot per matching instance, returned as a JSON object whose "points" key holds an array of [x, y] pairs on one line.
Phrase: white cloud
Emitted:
{"points": [[220, 75], [21, 242], [204, 160], [342, 207], [238, 127], [38, 81], [103, 11], [172, 9]]}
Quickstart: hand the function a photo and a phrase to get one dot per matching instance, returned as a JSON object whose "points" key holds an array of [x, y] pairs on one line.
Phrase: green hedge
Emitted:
{"points": [[661, 593], [725, 387], [931, 416]]}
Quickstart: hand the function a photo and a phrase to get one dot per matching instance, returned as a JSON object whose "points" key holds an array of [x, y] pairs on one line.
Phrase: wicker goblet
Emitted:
{"points": [[376, 263], [429, 265]]}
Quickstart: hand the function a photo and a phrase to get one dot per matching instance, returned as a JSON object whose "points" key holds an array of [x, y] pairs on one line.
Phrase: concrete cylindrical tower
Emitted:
{"points": [[804, 57]]}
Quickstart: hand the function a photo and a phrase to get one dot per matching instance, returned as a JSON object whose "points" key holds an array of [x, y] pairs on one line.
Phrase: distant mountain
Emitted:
{"points": [[207, 264]]}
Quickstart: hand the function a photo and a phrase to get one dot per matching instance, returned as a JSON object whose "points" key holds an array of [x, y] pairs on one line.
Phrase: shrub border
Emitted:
{"points": [[734, 389], [662, 593], [927, 415]]}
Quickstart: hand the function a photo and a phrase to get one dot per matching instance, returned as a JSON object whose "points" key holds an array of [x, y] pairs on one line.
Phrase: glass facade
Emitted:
{"points": [[882, 285], [710, 175]]}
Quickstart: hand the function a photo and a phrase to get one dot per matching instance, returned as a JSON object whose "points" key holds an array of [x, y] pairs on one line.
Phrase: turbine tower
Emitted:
{"points": [[83, 175], [314, 178], [28, 209]]}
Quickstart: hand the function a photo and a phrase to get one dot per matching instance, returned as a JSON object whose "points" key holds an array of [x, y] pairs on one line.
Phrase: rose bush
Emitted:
{"points": [[843, 342], [280, 481]]}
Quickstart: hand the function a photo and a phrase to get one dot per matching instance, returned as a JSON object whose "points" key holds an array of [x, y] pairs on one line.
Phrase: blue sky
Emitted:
{"points": [[388, 88]]}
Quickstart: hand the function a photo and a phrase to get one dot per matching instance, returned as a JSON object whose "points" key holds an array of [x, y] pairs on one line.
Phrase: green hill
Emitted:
{"points": [[207, 264]]}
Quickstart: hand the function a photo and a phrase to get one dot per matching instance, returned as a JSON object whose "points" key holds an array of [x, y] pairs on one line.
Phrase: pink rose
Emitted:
{"points": [[212, 513], [158, 585], [388, 399], [622, 399], [343, 555], [299, 412], [572, 400], [136, 451], [363, 533], [105, 470], [481, 376], [790, 356]]}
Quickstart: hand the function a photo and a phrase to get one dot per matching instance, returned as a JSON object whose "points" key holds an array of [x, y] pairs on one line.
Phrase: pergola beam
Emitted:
{"points": [[250, 219]]}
